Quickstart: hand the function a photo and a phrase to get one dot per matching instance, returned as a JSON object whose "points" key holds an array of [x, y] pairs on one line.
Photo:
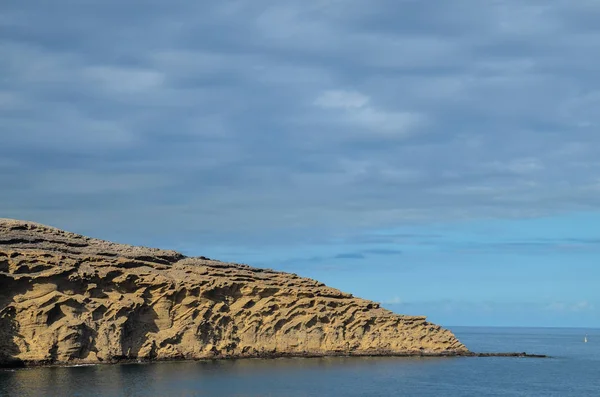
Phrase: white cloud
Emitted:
{"points": [[124, 80], [10, 101], [340, 99], [571, 307], [518, 166], [394, 301], [356, 111], [392, 123]]}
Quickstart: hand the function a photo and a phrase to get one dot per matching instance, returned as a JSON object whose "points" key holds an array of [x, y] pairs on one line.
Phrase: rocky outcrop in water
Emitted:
{"points": [[66, 298]]}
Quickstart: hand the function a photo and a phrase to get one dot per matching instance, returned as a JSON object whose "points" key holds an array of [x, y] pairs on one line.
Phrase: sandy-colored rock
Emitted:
{"points": [[69, 298]]}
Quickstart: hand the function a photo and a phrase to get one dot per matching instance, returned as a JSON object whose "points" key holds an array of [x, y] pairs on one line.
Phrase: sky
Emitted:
{"points": [[442, 158]]}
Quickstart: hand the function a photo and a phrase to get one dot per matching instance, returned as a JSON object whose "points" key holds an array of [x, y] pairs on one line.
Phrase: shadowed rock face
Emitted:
{"points": [[66, 298]]}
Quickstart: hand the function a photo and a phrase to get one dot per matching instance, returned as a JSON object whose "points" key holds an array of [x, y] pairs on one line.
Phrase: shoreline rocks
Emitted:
{"points": [[20, 364]]}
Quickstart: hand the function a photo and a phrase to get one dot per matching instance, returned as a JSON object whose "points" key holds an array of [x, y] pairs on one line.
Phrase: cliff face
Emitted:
{"points": [[68, 298]]}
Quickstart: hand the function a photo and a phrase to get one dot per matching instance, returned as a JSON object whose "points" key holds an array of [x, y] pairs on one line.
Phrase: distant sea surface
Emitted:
{"points": [[573, 370]]}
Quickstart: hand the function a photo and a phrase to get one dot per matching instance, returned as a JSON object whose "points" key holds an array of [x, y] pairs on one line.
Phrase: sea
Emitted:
{"points": [[573, 369]]}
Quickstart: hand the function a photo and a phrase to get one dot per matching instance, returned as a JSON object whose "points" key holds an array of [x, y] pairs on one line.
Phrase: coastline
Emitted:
{"points": [[17, 364]]}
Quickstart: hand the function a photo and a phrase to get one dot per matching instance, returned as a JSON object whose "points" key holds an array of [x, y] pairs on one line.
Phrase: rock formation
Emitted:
{"points": [[66, 298]]}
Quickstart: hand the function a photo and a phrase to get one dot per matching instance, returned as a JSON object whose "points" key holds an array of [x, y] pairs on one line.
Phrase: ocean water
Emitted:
{"points": [[572, 370]]}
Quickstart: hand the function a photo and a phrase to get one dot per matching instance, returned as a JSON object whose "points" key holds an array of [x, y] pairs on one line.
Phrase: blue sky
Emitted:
{"points": [[440, 157]]}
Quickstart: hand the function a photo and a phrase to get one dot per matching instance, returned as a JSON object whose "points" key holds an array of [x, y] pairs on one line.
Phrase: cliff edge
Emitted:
{"points": [[66, 298]]}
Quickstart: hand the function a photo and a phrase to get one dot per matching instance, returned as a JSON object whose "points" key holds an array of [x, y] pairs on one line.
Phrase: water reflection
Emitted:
{"points": [[286, 375]]}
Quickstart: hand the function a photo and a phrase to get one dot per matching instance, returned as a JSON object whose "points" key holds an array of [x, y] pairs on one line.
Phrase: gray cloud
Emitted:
{"points": [[220, 121], [362, 254], [350, 255], [366, 253]]}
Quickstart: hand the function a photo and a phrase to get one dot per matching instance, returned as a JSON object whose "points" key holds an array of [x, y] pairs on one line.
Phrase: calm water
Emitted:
{"points": [[574, 370]]}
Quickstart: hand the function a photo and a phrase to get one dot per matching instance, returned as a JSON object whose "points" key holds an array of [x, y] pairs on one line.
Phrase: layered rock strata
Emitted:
{"points": [[66, 298]]}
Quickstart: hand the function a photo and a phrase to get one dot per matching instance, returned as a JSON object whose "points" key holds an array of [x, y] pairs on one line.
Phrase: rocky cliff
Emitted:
{"points": [[66, 298]]}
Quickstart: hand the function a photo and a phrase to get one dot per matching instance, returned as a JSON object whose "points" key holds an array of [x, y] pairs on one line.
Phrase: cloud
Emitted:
{"points": [[364, 253], [350, 255], [394, 301], [571, 307], [120, 80], [518, 314], [519, 166], [357, 113], [522, 247], [337, 99], [358, 255], [241, 120]]}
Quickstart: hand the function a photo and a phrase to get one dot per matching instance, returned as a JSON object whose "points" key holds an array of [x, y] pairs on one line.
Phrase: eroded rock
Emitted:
{"points": [[67, 298]]}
